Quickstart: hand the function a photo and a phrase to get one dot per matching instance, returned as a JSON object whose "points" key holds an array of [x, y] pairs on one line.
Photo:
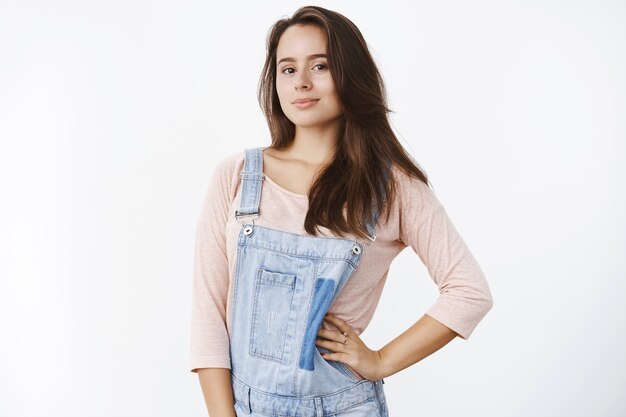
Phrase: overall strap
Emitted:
{"points": [[252, 178]]}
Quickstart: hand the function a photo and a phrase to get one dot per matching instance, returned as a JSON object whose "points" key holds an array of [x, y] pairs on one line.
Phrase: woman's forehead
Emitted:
{"points": [[300, 41]]}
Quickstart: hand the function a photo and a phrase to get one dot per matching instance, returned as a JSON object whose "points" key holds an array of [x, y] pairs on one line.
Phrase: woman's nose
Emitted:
{"points": [[303, 81]]}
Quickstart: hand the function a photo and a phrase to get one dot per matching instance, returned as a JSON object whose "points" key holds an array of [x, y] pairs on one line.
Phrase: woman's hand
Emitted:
{"points": [[365, 361]]}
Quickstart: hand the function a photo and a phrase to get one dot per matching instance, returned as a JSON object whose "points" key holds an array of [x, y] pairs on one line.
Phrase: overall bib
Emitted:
{"points": [[284, 286]]}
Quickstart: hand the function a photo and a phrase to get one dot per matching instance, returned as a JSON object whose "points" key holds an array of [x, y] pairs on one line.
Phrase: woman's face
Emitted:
{"points": [[300, 74]]}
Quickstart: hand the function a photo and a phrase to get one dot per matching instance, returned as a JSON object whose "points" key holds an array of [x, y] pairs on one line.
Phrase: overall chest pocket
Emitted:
{"points": [[273, 299]]}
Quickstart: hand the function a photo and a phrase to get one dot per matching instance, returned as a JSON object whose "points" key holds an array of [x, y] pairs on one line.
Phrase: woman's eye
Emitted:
{"points": [[289, 68]]}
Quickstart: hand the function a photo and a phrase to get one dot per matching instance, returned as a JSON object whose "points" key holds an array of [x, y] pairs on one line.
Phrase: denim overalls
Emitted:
{"points": [[284, 285]]}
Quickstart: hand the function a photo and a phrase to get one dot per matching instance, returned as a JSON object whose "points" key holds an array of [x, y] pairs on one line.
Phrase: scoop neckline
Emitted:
{"points": [[278, 187], [284, 190]]}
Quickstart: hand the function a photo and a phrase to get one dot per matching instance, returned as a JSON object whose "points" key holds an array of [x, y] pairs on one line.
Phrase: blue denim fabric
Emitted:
{"points": [[284, 285]]}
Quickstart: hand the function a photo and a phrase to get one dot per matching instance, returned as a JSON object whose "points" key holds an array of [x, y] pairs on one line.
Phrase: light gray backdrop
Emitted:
{"points": [[113, 115]]}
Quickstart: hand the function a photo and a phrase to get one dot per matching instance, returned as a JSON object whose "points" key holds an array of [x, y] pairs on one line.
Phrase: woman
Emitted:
{"points": [[295, 240]]}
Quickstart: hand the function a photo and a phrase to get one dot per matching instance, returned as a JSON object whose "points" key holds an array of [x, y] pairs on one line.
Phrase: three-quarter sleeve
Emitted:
{"points": [[464, 294], [209, 343]]}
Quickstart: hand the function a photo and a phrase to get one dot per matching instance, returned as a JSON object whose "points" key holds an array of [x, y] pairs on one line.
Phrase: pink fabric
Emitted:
{"points": [[418, 220]]}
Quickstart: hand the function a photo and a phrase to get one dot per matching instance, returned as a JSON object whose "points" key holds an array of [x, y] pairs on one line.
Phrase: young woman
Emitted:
{"points": [[294, 241]]}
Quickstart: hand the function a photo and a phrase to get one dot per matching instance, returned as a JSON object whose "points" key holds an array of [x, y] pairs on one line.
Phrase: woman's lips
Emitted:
{"points": [[306, 104]]}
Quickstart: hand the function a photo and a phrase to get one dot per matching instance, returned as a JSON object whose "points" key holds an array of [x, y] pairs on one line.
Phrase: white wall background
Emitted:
{"points": [[113, 115]]}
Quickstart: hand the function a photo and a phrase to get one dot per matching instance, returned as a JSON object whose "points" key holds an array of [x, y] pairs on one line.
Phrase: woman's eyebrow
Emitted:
{"points": [[289, 59]]}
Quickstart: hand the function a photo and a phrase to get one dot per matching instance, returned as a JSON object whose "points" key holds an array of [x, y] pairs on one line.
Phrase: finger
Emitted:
{"points": [[330, 345], [333, 356], [334, 320], [332, 316], [340, 324], [331, 335]]}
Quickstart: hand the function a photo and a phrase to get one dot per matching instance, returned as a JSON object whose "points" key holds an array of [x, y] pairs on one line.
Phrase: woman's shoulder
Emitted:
{"points": [[413, 195], [229, 166]]}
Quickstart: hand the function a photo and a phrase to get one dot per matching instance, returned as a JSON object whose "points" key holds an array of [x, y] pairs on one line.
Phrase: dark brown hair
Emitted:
{"points": [[366, 142]]}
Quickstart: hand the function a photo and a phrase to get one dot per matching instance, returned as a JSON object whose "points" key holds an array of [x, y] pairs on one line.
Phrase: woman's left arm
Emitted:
{"points": [[464, 294], [464, 299], [424, 337], [420, 340]]}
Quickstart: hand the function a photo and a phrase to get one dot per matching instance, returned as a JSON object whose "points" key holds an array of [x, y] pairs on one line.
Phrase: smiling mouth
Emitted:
{"points": [[305, 104]]}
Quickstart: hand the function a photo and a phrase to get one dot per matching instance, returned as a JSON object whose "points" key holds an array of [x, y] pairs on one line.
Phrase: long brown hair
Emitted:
{"points": [[366, 144]]}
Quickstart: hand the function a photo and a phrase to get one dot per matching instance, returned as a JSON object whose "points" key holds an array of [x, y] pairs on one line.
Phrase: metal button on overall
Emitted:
{"points": [[356, 249], [247, 230]]}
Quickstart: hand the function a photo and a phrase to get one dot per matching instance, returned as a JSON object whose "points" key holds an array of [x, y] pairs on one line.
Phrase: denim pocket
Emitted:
{"points": [[273, 296], [348, 371], [238, 408], [368, 408]]}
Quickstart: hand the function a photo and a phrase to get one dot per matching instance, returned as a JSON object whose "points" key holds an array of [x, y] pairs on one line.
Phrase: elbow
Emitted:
{"points": [[487, 303], [486, 297]]}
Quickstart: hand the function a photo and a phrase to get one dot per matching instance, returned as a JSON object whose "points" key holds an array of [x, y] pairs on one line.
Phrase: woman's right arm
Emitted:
{"points": [[210, 352], [218, 392]]}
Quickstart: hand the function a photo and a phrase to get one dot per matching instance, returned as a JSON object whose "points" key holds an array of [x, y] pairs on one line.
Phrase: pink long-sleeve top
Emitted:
{"points": [[417, 220]]}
